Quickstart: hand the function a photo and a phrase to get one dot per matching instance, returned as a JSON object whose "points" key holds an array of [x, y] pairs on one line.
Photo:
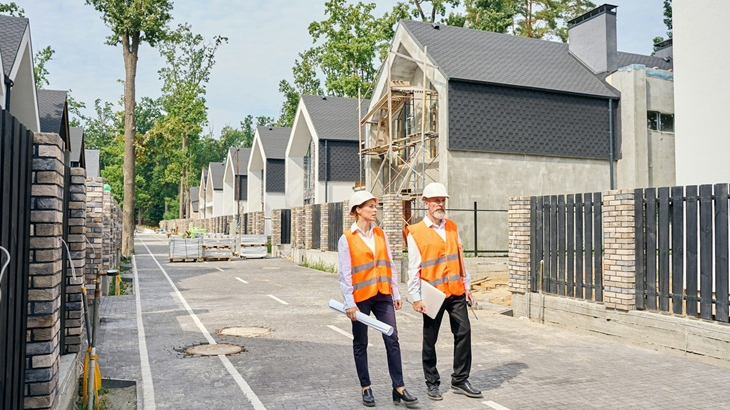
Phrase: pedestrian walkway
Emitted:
{"points": [[305, 361]]}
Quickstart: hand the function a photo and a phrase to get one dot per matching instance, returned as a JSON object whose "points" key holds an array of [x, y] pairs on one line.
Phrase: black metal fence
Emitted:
{"points": [[334, 225], [567, 245], [682, 250], [16, 147], [316, 225], [286, 226]]}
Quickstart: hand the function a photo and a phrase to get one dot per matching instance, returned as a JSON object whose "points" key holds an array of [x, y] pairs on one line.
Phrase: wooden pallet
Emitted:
{"points": [[218, 258], [217, 246], [185, 259]]}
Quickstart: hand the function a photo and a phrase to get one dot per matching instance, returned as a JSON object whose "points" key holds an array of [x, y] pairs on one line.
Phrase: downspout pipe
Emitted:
{"points": [[611, 139], [8, 85]]}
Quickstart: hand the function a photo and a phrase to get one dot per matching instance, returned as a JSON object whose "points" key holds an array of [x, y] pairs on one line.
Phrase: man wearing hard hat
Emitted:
{"points": [[368, 284], [435, 256]]}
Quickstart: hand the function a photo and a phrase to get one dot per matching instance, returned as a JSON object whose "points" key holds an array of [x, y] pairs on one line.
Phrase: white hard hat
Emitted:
{"points": [[434, 190], [360, 197]]}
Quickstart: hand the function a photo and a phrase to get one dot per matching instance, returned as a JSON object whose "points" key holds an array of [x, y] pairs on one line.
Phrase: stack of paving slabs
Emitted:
{"points": [[186, 249], [252, 246], [217, 247]]}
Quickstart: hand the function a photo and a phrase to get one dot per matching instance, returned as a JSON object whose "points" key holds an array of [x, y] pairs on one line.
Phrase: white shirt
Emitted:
{"points": [[414, 260], [343, 255]]}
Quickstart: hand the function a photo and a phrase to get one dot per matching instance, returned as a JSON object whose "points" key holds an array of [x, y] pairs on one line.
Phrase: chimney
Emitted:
{"points": [[664, 50], [592, 39]]}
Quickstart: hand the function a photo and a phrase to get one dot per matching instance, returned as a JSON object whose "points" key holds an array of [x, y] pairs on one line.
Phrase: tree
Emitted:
{"points": [[11, 9], [41, 58], [189, 63], [667, 21], [489, 15], [132, 22], [438, 8], [568, 10]]}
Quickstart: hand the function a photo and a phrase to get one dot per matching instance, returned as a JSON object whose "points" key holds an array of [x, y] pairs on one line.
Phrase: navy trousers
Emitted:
{"points": [[461, 328], [382, 307]]}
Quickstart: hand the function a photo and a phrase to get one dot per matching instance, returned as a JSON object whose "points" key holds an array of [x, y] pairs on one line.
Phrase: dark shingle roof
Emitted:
{"points": [[77, 140], [274, 141], [51, 104], [11, 35], [216, 174], [243, 155], [335, 118], [625, 59], [482, 56]]}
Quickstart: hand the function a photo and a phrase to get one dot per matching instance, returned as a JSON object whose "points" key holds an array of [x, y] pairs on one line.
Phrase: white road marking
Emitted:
{"points": [[148, 388], [494, 405], [219, 269], [241, 280], [245, 388], [277, 299], [342, 332]]}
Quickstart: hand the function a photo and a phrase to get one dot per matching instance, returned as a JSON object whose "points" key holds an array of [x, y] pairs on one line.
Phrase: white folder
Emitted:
{"points": [[432, 298], [381, 327]]}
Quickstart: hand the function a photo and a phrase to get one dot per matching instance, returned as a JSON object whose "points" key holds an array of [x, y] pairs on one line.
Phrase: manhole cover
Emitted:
{"points": [[244, 331], [213, 350]]}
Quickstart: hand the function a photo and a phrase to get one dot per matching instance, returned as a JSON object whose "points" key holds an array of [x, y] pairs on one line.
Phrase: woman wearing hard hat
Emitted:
{"points": [[367, 280]]}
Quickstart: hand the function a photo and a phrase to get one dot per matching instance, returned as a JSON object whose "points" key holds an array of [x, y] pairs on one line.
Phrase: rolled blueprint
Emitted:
{"points": [[365, 319]]}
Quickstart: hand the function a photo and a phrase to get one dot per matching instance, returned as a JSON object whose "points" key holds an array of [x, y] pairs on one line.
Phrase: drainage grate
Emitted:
{"points": [[213, 350], [244, 331]]}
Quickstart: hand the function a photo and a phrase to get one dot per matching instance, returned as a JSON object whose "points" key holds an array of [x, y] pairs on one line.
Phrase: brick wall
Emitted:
{"points": [[308, 226], [44, 290], [519, 243], [297, 227], [324, 227], [94, 227], [392, 223], [619, 260], [73, 332], [276, 227]]}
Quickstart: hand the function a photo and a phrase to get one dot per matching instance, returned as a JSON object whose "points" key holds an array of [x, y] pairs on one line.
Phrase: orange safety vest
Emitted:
{"points": [[440, 264], [370, 273]]}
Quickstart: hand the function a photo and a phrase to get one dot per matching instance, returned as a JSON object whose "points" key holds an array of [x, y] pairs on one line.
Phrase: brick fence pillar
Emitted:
{"points": [[44, 288], [392, 223], [94, 227], [276, 227], [619, 236], [519, 244], [297, 227], [77, 244], [308, 226]]}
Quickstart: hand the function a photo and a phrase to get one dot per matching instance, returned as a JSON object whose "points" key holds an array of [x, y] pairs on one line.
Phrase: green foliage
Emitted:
{"points": [[490, 15], [438, 8], [11, 9], [134, 21], [318, 265], [668, 16], [41, 58]]}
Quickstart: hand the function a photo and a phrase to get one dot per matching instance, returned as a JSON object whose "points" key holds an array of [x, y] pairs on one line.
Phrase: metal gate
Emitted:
{"points": [[16, 147], [335, 225], [316, 225], [286, 226]]}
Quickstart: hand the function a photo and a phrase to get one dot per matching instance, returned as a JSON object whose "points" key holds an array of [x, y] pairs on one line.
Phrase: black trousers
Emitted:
{"points": [[382, 307], [461, 328]]}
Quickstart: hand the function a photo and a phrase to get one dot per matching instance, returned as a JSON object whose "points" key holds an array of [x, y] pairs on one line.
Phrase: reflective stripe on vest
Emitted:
{"points": [[439, 259], [370, 273]]}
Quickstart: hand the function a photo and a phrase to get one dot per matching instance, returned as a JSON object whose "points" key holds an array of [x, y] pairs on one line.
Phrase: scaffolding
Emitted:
{"points": [[403, 135]]}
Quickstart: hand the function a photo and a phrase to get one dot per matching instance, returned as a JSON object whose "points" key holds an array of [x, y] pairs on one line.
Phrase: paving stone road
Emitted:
{"points": [[305, 361]]}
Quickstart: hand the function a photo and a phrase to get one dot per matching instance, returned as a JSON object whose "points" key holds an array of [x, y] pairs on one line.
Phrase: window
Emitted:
{"points": [[658, 121]]}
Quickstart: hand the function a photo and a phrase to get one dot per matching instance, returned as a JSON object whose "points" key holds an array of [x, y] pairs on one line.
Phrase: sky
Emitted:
{"points": [[264, 39]]}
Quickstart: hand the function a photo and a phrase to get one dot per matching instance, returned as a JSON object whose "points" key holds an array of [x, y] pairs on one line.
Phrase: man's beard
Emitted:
{"points": [[439, 214]]}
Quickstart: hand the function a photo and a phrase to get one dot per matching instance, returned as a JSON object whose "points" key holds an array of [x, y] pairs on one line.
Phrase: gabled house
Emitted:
{"points": [[202, 189], [193, 206], [266, 172], [493, 116], [235, 181], [17, 88], [214, 202], [78, 153], [53, 116], [322, 156]]}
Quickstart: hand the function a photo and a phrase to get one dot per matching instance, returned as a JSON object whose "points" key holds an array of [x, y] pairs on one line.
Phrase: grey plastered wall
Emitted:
{"points": [[492, 118]]}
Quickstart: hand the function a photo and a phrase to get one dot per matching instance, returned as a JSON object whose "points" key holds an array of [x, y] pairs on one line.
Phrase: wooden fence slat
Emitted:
{"points": [[570, 234], [706, 251], [598, 246], [561, 245], [677, 249], [588, 236], [534, 259], [663, 238], [639, 248], [545, 244], [651, 241], [721, 253], [691, 252], [553, 244], [579, 246]]}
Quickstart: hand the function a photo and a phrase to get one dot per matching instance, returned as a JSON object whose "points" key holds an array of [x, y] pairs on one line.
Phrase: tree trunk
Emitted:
{"points": [[129, 52]]}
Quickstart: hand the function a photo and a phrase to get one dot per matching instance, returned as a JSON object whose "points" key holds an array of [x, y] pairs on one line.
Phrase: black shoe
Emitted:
{"points": [[407, 398], [433, 392], [466, 388], [367, 397]]}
